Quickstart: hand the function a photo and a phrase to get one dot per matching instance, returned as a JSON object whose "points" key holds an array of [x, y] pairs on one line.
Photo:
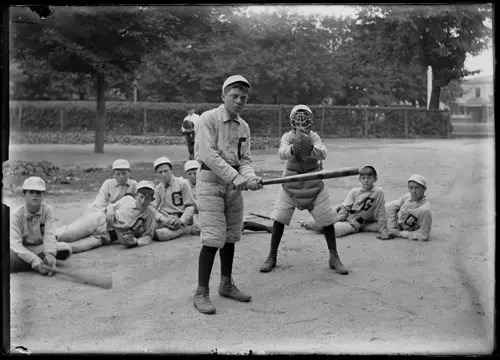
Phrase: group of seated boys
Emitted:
{"points": [[134, 214]]}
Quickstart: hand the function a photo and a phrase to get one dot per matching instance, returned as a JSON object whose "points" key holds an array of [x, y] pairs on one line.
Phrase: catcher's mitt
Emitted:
{"points": [[188, 125], [302, 146]]}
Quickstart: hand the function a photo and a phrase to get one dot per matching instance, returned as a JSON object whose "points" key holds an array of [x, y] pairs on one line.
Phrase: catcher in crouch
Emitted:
{"points": [[303, 150]]}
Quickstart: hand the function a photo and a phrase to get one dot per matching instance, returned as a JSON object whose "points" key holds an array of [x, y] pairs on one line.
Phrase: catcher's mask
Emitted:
{"points": [[301, 118]]}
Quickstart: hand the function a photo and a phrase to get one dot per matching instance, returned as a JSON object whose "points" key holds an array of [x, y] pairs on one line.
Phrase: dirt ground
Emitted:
{"points": [[400, 297]]}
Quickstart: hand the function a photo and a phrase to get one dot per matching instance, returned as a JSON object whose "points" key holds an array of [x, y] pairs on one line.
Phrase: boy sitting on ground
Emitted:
{"points": [[32, 240], [410, 216], [130, 221], [174, 204], [362, 210], [114, 189]]}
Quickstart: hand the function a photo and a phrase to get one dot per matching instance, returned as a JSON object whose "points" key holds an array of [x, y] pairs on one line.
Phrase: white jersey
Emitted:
{"points": [[364, 206], [412, 218]]}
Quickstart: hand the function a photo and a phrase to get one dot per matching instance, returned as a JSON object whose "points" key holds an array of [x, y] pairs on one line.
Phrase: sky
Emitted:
{"points": [[483, 61]]}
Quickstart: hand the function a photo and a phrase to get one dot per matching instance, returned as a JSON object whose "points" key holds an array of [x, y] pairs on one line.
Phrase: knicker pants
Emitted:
{"points": [[220, 210], [321, 211]]}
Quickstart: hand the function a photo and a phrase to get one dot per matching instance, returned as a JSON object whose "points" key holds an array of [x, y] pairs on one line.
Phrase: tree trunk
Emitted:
{"points": [[436, 92], [100, 121]]}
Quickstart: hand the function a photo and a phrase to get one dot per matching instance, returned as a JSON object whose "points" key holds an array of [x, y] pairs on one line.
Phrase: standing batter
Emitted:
{"points": [[410, 216], [222, 147], [306, 195]]}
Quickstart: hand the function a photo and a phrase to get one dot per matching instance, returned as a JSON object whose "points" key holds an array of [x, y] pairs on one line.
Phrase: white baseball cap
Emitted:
{"points": [[419, 179], [34, 183], [121, 164], [300, 107], [191, 164], [145, 184], [234, 79], [161, 161]]}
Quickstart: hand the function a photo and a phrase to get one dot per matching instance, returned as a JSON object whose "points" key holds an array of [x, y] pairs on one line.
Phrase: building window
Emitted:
{"points": [[478, 92]]}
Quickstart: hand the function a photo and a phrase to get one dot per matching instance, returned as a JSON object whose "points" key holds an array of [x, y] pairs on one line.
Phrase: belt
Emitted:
{"points": [[205, 167]]}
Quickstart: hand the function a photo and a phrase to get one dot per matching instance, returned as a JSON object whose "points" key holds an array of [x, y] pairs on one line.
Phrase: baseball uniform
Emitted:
{"points": [[174, 200], [91, 230], [32, 237], [308, 195], [111, 191], [362, 210], [223, 148], [413, 219]]}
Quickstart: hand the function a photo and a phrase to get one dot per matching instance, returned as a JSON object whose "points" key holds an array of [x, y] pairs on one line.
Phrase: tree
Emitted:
{"points": [[104, 42], [436, 36]]}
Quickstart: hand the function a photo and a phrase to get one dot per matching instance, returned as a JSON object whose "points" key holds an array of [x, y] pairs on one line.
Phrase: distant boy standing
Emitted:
{"points": [[114, 189], [188, 128], [32, 239], [223, 149]]}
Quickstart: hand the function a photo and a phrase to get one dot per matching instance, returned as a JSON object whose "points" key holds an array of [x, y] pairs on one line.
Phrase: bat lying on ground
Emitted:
{"points": [[105, 282], [261, 216], [324, 174]]}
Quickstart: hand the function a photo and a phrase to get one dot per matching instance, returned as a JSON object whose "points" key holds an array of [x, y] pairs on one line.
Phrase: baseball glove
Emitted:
{"points": [[302, 146], [188, 125]]}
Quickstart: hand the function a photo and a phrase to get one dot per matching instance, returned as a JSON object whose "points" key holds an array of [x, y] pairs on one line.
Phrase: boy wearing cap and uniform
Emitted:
{"points": [[410, 216], [130, 221], [362, 210], [113, 190], [190, 169], [32, 240], [173, 203], [222, 147], [309, 195]]}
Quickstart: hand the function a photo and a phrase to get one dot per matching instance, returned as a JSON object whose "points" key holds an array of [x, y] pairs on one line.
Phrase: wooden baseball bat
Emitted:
{"points": [[105, 282], [324, 174], [261, 216]]}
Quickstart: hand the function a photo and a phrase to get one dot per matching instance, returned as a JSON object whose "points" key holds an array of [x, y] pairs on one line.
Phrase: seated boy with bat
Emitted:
{"points": [[114, 189], [33, 245], [410, 216], [130, 221], [173, 203], [362, 210], [303, 150]]}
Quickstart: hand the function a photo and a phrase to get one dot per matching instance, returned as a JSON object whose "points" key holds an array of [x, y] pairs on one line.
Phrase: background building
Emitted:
{"points": [[476, 104]]}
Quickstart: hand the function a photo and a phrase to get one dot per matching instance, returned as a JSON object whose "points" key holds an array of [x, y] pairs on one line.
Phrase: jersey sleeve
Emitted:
{"points": [[101, 200], [188, 202], [285, 150], [319, 151], [391, 209], [346, 205], [49, 237], [16, 239], [246, 165], [379, 210]]}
